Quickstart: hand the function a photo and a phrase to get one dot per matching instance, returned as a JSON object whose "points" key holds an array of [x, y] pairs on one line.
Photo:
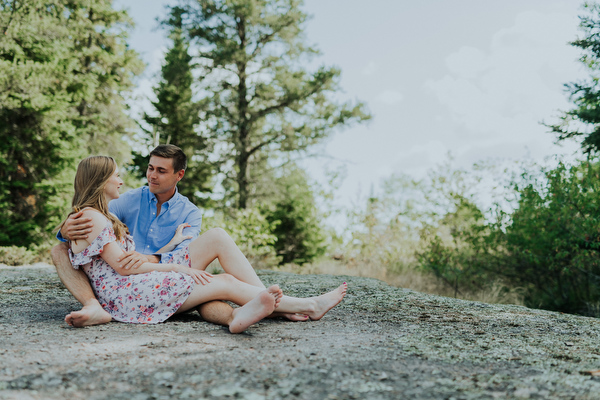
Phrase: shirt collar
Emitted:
{"points": [[172, 200]]}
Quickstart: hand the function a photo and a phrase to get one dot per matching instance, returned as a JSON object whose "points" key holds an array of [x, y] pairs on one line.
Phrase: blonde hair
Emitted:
{"points": [[92, 174]]}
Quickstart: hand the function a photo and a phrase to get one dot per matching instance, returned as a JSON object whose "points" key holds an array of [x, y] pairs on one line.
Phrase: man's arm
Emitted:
{"points": [[75, 227]]}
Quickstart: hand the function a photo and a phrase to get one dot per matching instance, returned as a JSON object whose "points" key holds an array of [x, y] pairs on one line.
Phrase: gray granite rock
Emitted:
{"points": [[381, 342]]}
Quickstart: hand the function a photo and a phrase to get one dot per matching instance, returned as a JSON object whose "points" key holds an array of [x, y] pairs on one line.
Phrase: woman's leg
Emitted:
{"points": [[227, 287], [217, 244], [256, 303]]}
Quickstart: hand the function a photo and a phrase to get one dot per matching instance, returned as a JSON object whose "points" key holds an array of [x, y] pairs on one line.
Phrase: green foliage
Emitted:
{"points": [[177, 118], [548, 247], [457, 249], [553, 240], [261, 100], [385, 233], [583, 121], [294, 219], [62, 66], [20, 255], [252, 233]]}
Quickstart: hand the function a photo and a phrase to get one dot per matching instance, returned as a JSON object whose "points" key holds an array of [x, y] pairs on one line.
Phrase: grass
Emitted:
{"points": [[406, 277]]}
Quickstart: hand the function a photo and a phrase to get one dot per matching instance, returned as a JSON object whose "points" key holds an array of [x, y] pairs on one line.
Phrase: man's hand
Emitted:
{"points": [[133, 259], [76, 227]]}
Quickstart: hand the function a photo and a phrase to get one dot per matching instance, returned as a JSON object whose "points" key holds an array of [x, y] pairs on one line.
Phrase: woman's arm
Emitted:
{"points": [[177, 238], [112, 251]]}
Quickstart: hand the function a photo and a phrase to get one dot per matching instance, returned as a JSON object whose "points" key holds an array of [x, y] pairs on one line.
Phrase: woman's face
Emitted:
{"points": [[114, 183]]}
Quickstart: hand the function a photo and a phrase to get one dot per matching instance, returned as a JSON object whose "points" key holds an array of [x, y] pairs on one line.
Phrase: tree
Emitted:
{"points": [[262, 102], [61, 67], [295, 219], [553, 240], [583, 121], [177, 116], [103, 76]]}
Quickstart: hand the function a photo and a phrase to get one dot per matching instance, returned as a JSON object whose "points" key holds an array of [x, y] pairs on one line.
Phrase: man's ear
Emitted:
{"points": [[180, 175]]}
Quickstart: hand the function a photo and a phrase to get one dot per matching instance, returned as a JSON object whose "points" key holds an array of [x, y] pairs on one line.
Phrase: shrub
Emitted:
{"points": [[553, 240], [17, 255], [252, 233]]}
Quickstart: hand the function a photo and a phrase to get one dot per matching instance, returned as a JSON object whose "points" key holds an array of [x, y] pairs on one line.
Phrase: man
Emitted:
{"points": [[152, 214]]}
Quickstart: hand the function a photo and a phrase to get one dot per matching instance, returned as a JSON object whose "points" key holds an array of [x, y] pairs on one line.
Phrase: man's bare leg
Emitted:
{"points": [[77, 283], [217, 312]]}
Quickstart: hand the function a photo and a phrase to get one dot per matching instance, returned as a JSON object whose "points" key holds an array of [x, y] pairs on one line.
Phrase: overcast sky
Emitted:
{"points": [[471, 77]]}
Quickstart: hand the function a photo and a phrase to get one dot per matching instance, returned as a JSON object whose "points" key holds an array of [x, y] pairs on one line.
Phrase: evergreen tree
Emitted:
{"points": [[295, 219], [262, 101], [51, 105], [104, 73], [583, 121], [178, 117]]}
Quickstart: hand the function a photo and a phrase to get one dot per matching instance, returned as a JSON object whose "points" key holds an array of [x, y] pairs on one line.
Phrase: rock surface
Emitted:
{"points": [[381, 342]]}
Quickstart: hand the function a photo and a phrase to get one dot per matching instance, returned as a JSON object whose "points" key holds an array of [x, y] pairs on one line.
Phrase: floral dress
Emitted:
{"points": [[140, 298]]}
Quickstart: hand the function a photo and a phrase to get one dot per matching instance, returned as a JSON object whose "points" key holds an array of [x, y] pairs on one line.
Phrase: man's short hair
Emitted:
{"points": [[173, 152]]}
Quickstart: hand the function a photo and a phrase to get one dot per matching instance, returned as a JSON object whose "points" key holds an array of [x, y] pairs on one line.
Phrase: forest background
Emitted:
{"points": [[242, 92]]}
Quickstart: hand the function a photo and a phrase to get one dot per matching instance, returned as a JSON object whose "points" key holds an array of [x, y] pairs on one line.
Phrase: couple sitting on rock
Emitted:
{"points": [[167, 274]]}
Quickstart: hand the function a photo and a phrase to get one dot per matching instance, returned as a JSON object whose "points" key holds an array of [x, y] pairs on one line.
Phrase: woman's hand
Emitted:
{"points": [[199, 276], [179, 237]]}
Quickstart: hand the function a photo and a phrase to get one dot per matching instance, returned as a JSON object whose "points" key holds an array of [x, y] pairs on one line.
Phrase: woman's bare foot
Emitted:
{"points": [[327, 301], [92, 314], [255, 310]]}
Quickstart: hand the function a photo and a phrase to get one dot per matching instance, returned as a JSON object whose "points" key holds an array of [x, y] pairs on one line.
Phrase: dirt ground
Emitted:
{"points": [[381, 342]]}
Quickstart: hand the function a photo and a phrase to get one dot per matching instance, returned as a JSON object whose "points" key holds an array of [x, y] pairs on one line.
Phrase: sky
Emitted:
{"points": [[470, 78]]}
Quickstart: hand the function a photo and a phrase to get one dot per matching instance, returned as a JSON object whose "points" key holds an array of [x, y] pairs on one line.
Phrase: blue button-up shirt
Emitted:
{"points": [[137, 209]]}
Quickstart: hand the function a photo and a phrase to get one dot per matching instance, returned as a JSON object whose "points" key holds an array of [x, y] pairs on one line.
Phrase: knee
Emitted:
{"points": [[59, 253], [227, 278], [219, 235]]}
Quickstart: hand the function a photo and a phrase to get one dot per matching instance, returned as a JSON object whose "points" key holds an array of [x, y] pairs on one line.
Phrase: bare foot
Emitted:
{"points": [[88, 315], [290, 316], [327, 301], [255, 310]]}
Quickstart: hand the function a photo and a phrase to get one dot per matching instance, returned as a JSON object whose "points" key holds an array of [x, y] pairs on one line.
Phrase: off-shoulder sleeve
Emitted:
{"points": [[95, 248]]}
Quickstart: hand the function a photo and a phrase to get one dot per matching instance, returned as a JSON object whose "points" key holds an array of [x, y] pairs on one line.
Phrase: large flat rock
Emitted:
{"points": [[381, 342]]}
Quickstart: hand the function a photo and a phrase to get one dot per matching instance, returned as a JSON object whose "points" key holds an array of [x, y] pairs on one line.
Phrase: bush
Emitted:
{"points": [[458, 249], [295, 219], [553, 240], [16, 255], [252, 233]]}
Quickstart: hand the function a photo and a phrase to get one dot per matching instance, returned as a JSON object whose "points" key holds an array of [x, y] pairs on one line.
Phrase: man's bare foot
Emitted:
{"points": [[255, 310], [92, 314], [290, 316], [327, 301]]}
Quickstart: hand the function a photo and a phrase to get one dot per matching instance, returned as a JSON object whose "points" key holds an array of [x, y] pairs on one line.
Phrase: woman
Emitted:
{"points": [[153, 292]]}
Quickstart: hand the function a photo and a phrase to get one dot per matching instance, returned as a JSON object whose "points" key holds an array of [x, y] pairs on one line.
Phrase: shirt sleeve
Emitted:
{"points": [[195, 220], [60, 237]]}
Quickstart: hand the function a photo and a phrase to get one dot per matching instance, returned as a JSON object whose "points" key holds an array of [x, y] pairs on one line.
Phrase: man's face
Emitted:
{"points": [[161, 176]]}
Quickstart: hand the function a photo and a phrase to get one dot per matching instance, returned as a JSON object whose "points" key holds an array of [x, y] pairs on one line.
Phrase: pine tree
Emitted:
{"points": [[51, 105], [583, 121], [262, 101], [178, 118]]}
